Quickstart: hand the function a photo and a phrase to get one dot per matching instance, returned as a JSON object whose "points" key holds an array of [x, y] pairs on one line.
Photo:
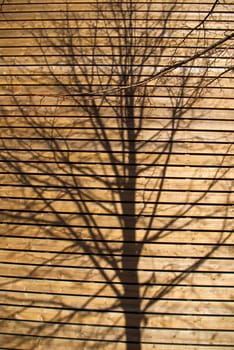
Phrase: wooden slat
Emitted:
{"points": [[80, 306], [101, 333], [171, 321], [148, 250], [163, 263], [183, 237], [58, 273]]}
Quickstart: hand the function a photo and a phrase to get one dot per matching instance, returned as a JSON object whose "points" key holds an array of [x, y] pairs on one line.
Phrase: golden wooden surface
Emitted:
{"points": [[52, 294]]}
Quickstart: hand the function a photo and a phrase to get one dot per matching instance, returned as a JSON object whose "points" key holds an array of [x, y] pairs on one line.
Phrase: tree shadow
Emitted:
{"points": [[88, 173]]}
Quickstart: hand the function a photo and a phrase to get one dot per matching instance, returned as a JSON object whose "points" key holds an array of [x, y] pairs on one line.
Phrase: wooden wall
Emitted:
{"points": [[61, 247]]}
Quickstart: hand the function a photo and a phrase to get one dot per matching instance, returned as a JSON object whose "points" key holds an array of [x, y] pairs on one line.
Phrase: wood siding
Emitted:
{"points": [[62, 216]]}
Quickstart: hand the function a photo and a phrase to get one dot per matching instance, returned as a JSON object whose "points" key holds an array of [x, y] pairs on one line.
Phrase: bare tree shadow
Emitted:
{"points": [[87, 177]]}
